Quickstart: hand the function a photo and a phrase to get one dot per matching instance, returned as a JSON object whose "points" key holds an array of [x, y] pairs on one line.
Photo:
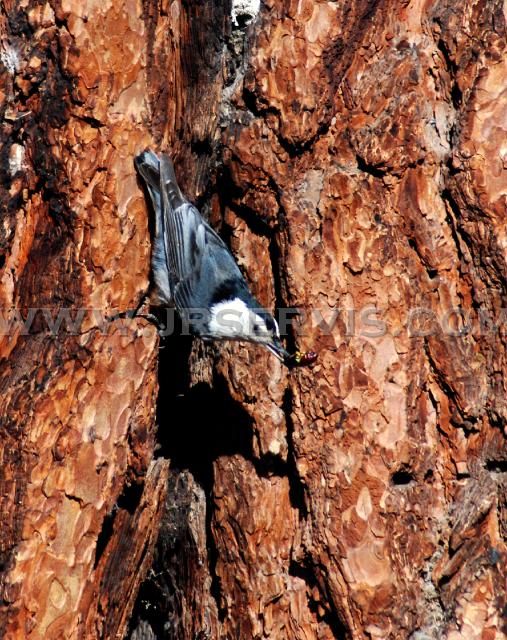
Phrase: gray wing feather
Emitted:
{"points": [[191, 244], [191, 249]]}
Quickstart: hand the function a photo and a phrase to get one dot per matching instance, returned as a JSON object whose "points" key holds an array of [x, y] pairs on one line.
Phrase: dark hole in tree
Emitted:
{"points": [[497, 466], [104, 536], [129, 501], [243, 19], [428, 476], [402, 477]]}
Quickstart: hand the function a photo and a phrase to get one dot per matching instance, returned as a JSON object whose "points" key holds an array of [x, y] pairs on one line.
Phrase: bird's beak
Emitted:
{"points": [[275, 346]]}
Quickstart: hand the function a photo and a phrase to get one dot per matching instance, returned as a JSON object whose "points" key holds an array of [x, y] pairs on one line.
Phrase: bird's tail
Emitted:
{"points": [[149, 167], [168, 183], [160, 178]]}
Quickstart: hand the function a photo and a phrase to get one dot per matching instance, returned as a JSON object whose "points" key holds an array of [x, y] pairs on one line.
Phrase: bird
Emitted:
{"points": [[194, 270]]}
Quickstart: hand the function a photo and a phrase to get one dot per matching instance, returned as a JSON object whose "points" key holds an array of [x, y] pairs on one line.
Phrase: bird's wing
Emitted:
{"points": [[196, 256], [192, 246]]}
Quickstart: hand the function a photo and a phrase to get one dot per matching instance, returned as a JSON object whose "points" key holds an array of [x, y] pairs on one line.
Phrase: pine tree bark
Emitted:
{"points": [[353, 156]]}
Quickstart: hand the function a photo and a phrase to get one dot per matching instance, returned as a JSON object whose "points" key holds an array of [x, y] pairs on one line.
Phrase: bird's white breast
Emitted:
{"points": [[230, 319]]}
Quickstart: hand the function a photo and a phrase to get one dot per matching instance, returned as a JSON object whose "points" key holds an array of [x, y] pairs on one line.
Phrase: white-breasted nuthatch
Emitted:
{"points": [[194, 271]]}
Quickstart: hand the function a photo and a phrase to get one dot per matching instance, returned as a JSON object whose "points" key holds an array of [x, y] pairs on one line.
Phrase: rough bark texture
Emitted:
{"points": [[354, 156], [80, 496]]}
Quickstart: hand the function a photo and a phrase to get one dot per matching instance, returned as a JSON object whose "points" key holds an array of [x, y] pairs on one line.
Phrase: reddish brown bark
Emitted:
{"points": [[78, 406], [353, 156]]}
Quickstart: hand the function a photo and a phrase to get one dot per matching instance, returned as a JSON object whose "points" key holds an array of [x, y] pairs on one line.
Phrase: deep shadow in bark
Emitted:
{"points": [[196, 425]]}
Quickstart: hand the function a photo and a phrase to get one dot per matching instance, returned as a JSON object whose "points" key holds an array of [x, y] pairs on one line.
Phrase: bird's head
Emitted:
{"points": [[238, 319]]}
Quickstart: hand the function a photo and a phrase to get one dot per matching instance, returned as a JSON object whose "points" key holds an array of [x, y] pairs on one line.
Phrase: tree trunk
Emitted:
{"points": [[352, 155]]}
